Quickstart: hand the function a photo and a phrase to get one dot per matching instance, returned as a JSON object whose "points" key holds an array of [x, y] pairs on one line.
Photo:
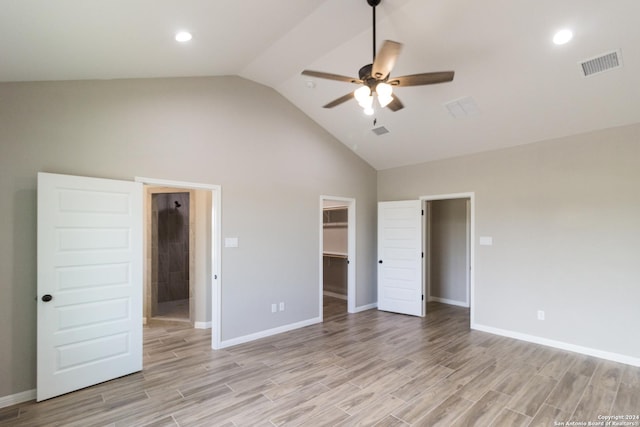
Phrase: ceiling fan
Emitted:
{"points": [[375, 79]]}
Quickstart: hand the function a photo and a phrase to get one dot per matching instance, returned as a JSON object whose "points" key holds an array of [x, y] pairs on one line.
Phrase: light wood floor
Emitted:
{"points": [[371, 368]]}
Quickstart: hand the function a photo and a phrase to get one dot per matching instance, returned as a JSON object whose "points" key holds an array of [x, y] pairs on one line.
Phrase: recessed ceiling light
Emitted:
{"points": [[183, 36], [562, 37]]}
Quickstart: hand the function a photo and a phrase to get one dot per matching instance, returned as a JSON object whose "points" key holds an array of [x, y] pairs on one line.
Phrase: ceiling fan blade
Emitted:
{"points": [[386, 59], [339, 101], [395, 105], [330, 76], [422, 79]]}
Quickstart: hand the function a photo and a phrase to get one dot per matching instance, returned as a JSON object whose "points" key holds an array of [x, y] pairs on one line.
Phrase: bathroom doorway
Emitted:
{"points": [[205, 246], [171, 255]]}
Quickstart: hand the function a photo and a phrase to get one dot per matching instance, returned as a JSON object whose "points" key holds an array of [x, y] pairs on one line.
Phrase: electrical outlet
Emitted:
{"points": [[274, 308], [281, 306], [540, 315]]}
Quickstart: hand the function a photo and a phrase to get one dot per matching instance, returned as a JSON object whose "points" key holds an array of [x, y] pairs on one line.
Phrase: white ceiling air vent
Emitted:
{"points": [[601, 63], [462, 107], [380, 130]]}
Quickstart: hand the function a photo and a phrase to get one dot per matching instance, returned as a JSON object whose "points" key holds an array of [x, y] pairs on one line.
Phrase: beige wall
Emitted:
{"points": [[271, 160], [564, 215]]}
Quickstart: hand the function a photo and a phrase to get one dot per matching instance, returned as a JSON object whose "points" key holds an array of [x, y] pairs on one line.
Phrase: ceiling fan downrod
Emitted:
{"points": [[373, 4]]}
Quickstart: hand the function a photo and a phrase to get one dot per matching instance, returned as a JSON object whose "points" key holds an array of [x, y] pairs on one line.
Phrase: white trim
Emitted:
{"points": [[269, 332], [615, 357], [350, 204], [175, 184], [202, 325], [365, 307], [334, 295], [472, 232], [14, 399], [426, 254], [449, 301], [216, 247]]}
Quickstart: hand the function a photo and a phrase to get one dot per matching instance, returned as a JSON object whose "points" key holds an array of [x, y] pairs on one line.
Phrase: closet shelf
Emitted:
{"points": [[334, 224], [334, 254]]}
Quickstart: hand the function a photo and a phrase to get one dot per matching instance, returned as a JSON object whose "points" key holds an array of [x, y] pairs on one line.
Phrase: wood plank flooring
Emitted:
{"points": [[367, 369]]}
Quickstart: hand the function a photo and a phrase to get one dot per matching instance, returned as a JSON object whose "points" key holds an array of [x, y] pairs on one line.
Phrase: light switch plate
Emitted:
{"points": [[486, 241], [230, 242]]}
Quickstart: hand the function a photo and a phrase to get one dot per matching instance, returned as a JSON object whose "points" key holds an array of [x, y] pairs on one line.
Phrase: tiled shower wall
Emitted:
{"points": [[170, 245]]}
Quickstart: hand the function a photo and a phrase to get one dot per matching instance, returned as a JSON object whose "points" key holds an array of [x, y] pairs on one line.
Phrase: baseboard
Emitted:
{"points": [[614, 357], [334, 295], [202, 325], [14, 399], [366, 307], [269, 332], [449, 301]]}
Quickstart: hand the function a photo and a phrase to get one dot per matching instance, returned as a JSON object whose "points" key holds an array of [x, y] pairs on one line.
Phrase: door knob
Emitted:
{"points": [[47, 298], [380, 262]]}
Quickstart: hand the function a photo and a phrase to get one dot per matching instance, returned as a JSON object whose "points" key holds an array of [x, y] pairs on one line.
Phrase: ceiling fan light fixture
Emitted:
{"points": [[369, 111], [384, 100], [384, 91], [363, 96]]}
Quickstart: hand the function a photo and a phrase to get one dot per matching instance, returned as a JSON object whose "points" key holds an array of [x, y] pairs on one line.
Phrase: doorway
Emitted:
{"points": [[404, 258], [169, 294], [448, 249], [91, 264], [337, 256], [205, 207]]}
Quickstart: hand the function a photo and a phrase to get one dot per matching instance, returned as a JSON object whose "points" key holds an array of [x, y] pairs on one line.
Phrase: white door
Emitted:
{"points": [[89, 282], [400, 257]]}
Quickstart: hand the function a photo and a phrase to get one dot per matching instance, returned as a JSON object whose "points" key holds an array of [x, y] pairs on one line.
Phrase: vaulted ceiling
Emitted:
{"points": [[523, 87]]}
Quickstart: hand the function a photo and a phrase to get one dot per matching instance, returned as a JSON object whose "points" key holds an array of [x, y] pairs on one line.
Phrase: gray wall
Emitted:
{"points": [[564, 215], [448, 250], [272, 162]]}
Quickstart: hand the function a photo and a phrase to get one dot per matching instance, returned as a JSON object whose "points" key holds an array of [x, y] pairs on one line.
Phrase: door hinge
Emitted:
{"points": [[422, 297], [422, 212], [422, 254]]}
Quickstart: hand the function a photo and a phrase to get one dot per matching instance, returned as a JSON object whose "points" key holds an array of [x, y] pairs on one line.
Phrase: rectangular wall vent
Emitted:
{"points": [[601, 63], [380, 130]]}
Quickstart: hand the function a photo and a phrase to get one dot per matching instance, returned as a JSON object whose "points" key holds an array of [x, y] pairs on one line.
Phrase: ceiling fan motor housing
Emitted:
{"points": [[366, 77]]}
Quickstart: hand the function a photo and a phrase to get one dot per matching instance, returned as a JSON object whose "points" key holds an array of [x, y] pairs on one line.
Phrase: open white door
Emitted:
{"points": [[89, 282], [400, 257]]}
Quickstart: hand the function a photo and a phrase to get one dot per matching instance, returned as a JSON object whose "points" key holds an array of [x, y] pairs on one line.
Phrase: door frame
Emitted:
{"points": [[471, 223], [215, 280], [350, 204]]}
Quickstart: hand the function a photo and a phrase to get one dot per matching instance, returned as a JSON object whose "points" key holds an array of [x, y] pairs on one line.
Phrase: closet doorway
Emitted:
{"points": [[337, 256], [448, 230]]}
